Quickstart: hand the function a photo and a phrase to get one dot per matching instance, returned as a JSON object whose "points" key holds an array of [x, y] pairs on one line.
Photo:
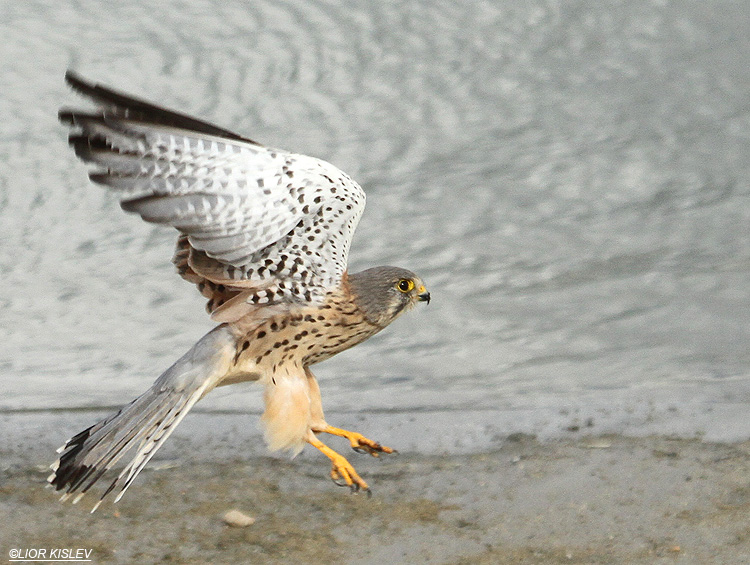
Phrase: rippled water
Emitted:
{"points": [[570, 178]]}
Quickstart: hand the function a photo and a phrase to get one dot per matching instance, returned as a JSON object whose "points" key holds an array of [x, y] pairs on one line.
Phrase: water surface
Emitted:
{"points": [[569, 178]]}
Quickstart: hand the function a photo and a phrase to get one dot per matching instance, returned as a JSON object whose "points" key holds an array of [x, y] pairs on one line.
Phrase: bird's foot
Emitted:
{"points": [[359, 443], [342, 472], [344, 475]]}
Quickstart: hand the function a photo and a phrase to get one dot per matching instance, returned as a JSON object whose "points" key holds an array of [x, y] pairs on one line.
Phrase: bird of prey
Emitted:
{"points": [[264, 234]]}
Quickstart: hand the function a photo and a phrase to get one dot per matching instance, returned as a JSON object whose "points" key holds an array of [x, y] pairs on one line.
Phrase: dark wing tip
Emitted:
{"points": [[77, 82], [66, 116], [130, 107]]}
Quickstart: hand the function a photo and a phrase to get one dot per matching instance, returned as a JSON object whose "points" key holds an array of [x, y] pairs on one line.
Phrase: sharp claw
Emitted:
{"points": [[356, 489], [342, 473], [338, 479], [374, 450]]}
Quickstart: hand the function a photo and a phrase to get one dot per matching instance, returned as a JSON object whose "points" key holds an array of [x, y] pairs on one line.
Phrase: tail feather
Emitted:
{"points": [[150, 445], [144, 424], [116, 449], [99, 447]]}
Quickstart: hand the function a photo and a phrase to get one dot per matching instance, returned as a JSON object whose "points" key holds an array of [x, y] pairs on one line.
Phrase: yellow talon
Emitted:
{"points": [[340, 467], [359, 442]]}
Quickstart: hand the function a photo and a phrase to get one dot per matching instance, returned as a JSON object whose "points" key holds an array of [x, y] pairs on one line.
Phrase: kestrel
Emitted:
{"points": [[264, 235]]}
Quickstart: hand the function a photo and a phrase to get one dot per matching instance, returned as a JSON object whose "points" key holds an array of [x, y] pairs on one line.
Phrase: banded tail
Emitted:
{"points": [[146, 422]]}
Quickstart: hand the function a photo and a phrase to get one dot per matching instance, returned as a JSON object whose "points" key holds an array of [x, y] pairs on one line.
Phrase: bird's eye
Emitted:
{"points": [[405, 285]]}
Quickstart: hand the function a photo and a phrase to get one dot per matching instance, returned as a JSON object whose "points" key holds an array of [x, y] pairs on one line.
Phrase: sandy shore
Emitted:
{"points": [[605, 499]]}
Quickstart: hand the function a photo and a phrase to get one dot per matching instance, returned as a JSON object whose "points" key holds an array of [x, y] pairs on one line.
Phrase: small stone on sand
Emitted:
{"points": [[237, 519]]}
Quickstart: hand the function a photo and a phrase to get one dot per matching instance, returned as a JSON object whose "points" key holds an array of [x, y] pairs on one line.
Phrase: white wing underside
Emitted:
{"points": [[275, 223]]}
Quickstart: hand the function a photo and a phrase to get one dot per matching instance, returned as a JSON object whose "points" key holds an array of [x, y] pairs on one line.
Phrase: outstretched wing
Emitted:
{"points": [[274, 223]]}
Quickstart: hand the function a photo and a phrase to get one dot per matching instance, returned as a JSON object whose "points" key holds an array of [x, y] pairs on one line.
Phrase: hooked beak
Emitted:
{"points": [[423, 295]]}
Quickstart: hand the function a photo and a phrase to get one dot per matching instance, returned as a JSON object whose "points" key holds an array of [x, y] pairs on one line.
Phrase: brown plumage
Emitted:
{"points": [[265, 236]]}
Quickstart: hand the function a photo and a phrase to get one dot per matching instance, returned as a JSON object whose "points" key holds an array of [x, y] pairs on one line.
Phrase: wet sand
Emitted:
{"points": [[588, 499]]}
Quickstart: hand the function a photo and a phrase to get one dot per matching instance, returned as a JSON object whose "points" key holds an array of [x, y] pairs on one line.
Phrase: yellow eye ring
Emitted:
{"points": [[405, 285]]}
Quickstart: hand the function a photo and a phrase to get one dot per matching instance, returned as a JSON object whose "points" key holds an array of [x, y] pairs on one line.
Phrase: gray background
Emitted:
{"points": [[570, 178]]}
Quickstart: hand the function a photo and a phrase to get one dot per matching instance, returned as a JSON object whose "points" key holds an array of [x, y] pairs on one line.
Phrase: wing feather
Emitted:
{"points": [[145, 111], [281, 220]]}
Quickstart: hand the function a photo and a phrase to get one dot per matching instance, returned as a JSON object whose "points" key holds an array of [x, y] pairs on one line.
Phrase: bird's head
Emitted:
{"points": [[384, 293]]}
